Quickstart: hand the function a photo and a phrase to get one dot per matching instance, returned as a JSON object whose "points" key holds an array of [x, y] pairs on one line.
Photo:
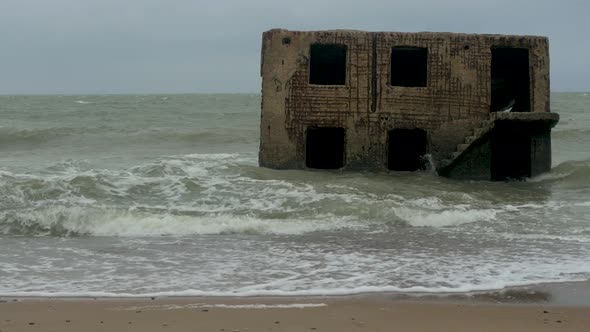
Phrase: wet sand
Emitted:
{"points": [[380, 312]]}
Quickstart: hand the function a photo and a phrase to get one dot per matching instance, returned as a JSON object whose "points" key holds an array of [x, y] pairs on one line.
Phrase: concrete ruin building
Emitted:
{"points": [[469, 106]]}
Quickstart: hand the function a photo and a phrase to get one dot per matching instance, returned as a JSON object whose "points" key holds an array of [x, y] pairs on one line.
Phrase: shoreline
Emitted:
{"points": [[368, 312], [575, 293]]}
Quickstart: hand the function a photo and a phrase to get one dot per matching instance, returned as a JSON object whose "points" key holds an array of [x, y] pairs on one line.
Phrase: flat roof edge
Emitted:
{"points": [[458, 34]]}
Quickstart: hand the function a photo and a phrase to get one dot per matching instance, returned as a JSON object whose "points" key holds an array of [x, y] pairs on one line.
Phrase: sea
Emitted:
{"points": [[161, 195]]}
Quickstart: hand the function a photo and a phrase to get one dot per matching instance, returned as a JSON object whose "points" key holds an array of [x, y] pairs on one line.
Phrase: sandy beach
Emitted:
{"points": [[351, 313]]}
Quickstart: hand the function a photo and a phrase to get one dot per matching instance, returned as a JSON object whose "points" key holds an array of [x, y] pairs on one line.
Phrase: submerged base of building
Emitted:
{"points": [[507, 146]]}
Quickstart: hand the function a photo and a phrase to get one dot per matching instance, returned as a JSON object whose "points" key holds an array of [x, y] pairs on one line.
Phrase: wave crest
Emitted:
{"points": [[227, 193], [85, 221], [569, 171]]}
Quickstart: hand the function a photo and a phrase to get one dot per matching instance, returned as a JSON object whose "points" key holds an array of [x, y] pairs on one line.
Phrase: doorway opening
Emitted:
{"points": [[510, 80], [407, 148]]}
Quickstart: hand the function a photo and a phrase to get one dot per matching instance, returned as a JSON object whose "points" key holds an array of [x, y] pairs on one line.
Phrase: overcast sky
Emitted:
{"points": [[183, 46]]}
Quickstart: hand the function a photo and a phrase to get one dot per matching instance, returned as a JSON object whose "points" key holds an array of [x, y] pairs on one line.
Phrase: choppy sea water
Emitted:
{"points": [[161, 195]]}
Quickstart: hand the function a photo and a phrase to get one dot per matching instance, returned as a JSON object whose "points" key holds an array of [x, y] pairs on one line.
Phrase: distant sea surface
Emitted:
{"points": [[161, 195]]}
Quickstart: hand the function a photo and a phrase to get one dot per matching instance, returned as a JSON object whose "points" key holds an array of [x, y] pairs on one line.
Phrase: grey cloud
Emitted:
{"points": [[150, 46]]}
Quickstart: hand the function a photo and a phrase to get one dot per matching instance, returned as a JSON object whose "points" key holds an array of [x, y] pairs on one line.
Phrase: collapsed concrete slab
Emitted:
{"points": [[469, 106]]}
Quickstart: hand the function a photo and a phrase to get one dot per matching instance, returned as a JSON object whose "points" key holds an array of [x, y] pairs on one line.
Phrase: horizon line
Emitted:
{"points": [[170, 93], [123, 94]]}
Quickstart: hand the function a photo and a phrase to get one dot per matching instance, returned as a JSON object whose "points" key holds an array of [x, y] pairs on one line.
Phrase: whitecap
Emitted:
{"points": [[445, 218], [490, 286], [105, 222]]}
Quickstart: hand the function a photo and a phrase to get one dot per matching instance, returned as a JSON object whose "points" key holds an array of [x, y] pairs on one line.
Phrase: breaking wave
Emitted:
{"points": [[76, 221], [446, 218], [204, 194], [210, 194], [570, 171]]}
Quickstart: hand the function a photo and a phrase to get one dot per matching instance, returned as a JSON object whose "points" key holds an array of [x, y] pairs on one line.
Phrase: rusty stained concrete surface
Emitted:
{"points": [[457, 96]]}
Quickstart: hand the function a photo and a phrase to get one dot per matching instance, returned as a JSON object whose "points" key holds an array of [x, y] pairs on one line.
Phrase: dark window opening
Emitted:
{"points": [[511, 153], [324, 148], [409, 66], [407, 148], [327, 64], [510, 80]]}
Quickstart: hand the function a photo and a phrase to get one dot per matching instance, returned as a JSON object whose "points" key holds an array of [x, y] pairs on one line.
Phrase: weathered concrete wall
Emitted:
{"points": [[448, 135], [456, 97], [290, 104]]}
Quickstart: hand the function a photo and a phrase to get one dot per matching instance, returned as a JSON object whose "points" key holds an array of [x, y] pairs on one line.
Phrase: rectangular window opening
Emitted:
{"points": [[409, 66], [327, 64], [510, 80], [324, 148], [407, 148]]}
